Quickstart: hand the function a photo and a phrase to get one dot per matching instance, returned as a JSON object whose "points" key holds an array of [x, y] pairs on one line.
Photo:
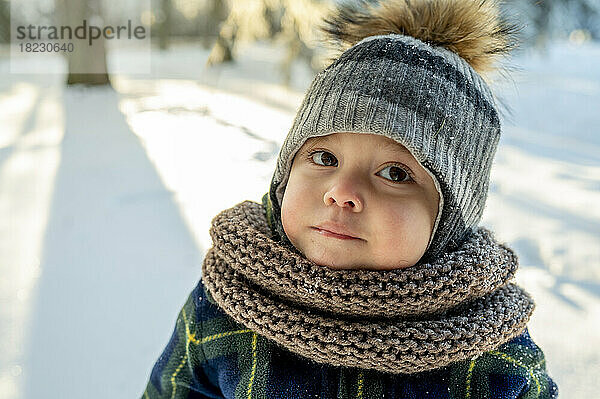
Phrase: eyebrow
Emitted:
{"points": [[326, 138], [387, 146], [394, 146]]}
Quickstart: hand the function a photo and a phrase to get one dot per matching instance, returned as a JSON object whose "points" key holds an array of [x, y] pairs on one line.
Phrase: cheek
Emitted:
{"points": [[289, 214], [300, 194], [407, 226], [293, 207]]}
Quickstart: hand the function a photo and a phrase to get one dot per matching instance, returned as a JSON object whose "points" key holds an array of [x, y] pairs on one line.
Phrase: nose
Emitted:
{"points": [[345, 195]]}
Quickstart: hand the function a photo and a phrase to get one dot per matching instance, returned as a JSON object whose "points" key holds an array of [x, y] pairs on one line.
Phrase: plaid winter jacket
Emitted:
{"points": [[211, 356]]}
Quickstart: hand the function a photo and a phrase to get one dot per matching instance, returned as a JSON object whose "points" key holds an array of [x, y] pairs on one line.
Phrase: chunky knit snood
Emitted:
{"points": [[399, 321]]}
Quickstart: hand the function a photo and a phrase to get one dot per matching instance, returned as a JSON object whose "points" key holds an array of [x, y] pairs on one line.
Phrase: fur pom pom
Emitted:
{"points": [[473, 29]]}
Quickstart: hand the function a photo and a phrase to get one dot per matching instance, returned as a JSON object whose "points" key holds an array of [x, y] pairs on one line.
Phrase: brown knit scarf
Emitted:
{"points": [[399, 321]]}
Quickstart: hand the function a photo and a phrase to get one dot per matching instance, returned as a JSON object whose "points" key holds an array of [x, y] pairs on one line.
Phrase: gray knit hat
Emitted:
{"points": [[412, 71]]}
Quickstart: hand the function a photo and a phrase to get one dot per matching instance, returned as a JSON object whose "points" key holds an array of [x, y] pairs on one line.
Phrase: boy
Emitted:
{"points": [[364, 273], [393, 231]]}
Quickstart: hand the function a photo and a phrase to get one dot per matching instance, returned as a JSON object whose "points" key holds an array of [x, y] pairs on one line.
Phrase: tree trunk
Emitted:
{"points": [[217, 11], [87, 64], [223, 50], [164, 29]]}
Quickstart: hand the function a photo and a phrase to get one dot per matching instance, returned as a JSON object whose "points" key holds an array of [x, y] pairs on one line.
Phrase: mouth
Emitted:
{"points": [[335, 232]]}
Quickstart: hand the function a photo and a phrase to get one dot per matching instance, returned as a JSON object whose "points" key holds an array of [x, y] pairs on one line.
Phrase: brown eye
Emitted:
{"points": [[395, 174], [324, 158]]}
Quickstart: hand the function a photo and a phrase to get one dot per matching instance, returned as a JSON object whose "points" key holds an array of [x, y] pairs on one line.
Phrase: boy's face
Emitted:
{"points": [[370, 191]]}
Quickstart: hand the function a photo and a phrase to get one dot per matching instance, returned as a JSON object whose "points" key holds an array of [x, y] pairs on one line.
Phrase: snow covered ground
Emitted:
{"points": [[106, 198]]}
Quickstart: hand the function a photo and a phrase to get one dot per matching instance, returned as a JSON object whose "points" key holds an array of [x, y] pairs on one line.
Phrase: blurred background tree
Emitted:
{"points": [[544, 20], [4, 21], [86, 58], [164, 23], [222, 26], [289, 22], [62, 12]]}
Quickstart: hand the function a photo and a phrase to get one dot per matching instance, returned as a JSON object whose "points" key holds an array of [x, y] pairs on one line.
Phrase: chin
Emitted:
{"points": [[340, 264], [347, 264], [327, 261]]}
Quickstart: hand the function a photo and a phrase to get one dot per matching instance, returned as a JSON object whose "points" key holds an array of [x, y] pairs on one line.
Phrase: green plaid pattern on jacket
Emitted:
{"points": [[211, 356]]}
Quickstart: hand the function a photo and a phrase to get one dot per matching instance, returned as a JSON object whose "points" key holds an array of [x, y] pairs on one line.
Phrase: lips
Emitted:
{"points": [[336, 230]]}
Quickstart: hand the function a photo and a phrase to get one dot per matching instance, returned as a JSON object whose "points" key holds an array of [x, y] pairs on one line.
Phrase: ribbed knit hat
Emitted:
{"points": [[412, 71]]}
